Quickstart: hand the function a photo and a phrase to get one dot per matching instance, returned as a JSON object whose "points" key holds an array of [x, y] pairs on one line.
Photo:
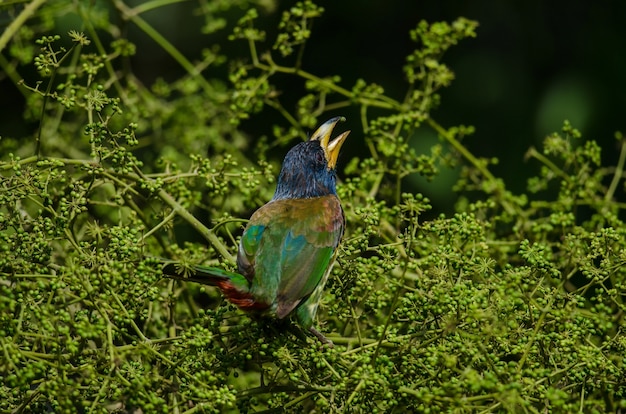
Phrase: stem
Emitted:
{"points": [[208, 234], [158, 38], [461, 149], [195, 223], [618, 172], [532, 152], [121, 91], [394, 303], [43, 115], [154, 4], [533, 337], [158, 226], [11, 72], [253, 53], [378, 101], [21, 18], [473, 160]]}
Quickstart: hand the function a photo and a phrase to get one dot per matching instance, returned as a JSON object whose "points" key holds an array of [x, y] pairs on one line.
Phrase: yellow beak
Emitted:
{"points": [[331, 148]]}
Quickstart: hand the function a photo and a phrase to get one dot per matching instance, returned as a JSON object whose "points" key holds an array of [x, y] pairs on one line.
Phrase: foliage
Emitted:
{"points": [[515, 303]]}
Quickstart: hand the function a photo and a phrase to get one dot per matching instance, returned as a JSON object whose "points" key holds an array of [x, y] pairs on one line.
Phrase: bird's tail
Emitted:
{"points": [[206, 275], [234, 286]]}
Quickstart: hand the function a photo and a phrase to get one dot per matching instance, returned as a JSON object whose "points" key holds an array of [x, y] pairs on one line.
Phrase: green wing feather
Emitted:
{"points": [[287, 249]]}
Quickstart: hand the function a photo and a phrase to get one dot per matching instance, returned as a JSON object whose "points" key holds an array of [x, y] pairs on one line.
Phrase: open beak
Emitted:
{"points": [[331, 147]]}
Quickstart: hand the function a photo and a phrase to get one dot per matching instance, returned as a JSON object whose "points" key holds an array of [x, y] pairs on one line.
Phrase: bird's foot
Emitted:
{"points": [[321, 337]]}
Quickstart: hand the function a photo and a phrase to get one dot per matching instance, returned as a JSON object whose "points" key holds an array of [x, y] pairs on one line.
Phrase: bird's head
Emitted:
{"points": [[309, 168]]}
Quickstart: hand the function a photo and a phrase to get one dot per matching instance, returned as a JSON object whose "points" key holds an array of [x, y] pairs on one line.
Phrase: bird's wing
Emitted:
{"points": [[288, 246]]}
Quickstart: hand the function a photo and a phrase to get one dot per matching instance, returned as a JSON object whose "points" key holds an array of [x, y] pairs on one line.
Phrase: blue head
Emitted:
{"points": [[309, 168]]}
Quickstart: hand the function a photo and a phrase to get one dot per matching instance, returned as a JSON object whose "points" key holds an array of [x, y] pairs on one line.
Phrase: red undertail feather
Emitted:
{"points": [[242, 300]]}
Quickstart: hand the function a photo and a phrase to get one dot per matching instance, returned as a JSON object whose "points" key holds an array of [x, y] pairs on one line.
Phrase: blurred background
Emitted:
{"points": [[533, 65]]}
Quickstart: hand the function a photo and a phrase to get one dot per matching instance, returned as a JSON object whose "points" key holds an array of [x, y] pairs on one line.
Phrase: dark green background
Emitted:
{"points": [[532, 65]]}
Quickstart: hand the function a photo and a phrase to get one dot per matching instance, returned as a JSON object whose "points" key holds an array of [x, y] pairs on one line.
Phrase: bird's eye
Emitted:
{"points": [[319, 157]]}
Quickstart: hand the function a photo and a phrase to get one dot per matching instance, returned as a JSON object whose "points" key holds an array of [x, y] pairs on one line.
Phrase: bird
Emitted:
{"points": [[289, 245]]}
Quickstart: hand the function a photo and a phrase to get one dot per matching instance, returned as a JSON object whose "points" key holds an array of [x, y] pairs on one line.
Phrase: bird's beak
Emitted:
{"points": [[331, 148]]}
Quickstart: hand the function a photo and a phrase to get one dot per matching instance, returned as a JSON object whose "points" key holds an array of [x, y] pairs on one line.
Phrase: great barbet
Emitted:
{"points": [[289, 245]]}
